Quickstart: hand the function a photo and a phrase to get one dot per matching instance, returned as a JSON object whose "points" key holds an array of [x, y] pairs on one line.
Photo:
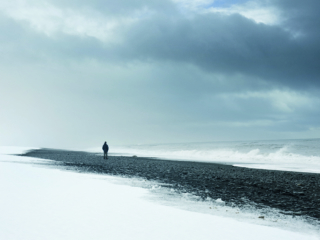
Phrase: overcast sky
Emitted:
{"points": [[76, 73]]}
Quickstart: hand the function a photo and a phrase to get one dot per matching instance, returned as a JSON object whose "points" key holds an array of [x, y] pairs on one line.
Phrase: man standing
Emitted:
{"points": [[105, 149]]}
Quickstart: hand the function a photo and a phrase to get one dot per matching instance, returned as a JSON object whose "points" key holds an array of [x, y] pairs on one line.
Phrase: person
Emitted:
{"points": [[105, 149]]}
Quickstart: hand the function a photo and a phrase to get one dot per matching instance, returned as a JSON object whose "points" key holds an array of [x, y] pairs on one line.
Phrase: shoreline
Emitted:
{"points": [[294, 193]]}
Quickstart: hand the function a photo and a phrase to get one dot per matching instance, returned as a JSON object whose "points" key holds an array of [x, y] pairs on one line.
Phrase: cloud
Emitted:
{"points": [[226, 44], [222, 41], [52, 20], [259, 11], [285, 101]]}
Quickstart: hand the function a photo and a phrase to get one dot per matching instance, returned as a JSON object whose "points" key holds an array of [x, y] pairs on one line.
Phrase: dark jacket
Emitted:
{"points": [[105, 147]]}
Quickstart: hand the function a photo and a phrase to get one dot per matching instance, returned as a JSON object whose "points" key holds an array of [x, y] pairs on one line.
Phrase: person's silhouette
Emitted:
{"points": [[105, 149]]}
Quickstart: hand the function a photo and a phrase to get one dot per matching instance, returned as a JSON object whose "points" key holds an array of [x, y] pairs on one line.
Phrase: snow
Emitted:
{"points": [[14, 149], [38, 202]]}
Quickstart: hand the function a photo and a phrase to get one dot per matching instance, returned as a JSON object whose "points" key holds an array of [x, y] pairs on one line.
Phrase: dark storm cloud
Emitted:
{"points": [[287, 54], [301, 16], [228, 45]]}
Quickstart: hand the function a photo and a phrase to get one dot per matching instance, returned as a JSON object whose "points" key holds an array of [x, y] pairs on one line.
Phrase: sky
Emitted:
{"points": [[76, 73]]}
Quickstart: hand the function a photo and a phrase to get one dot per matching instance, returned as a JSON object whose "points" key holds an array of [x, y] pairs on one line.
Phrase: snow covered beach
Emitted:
{"points": [[293, 193], [46, 203]]}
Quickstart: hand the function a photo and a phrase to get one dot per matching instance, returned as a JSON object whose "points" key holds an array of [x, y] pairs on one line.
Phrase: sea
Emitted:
{"points": [[301, 155]]}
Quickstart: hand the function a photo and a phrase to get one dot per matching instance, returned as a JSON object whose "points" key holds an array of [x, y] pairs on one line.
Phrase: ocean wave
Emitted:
{"points": [[298, 155]]}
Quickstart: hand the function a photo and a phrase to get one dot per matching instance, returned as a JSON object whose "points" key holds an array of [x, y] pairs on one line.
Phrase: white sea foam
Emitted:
{"points": [[292, 155]]}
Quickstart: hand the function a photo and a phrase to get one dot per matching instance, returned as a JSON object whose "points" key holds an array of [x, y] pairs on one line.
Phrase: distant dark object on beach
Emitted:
{"points": [[105, 149], [134, 156]]}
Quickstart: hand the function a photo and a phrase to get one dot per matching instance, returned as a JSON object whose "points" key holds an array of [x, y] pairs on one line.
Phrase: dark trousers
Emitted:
{"points": [[105, 155]]}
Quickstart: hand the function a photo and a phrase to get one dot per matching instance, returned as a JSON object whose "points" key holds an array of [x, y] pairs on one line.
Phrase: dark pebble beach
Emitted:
{"points": [[293, 193]]}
